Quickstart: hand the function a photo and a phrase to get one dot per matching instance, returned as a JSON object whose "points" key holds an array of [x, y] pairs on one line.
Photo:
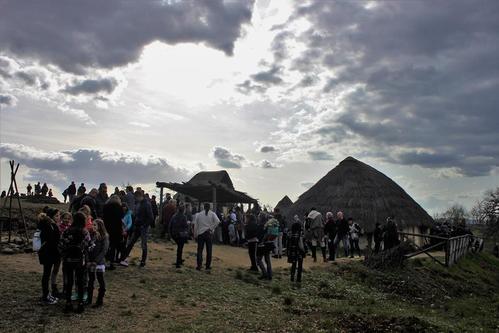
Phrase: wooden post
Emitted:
{"points": [[214, 198]]}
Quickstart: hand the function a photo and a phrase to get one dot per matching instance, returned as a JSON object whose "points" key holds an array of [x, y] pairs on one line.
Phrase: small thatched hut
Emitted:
{"points": [[366, 195], [284, 204]]}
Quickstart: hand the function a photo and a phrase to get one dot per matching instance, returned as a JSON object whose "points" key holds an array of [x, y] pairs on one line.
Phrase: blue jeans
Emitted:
{"points": [[344, 240], [204, 239], [142, 232]]}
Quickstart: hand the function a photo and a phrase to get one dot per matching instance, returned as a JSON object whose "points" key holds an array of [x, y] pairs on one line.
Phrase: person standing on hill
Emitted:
{"points": [[391, 236], [48, 254], [378, 238], [330, 231], [317, 234], [205, 223], [113, 214], [71, 191], [141, 222], [100, 200], [75, 204], [82, 188], [341, 234], [28, 189], [179, 231], [89, 200], [45, 189], [154, 206], [38, 188], [50, 193], [354, 235]]}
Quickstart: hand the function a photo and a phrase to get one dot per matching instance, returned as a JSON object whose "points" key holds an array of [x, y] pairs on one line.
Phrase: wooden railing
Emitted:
{"points": [[455, 247]]}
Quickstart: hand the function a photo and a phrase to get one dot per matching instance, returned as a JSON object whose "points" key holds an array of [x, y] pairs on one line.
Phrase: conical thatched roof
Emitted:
{"points": [[363, 193], [284, 204]]}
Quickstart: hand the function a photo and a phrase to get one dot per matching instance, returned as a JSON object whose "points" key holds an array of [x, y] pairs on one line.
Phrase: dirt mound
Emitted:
{"points": [[379, 324], [42, 199], [391, 258]]}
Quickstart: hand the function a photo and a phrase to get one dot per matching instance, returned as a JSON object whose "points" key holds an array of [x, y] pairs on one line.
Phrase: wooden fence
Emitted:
{"points": [[454, 247]]}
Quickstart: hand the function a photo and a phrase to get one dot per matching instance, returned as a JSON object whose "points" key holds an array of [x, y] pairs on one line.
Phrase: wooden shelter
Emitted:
{"points": [[284, 204], [366, 195], [209, 186]]}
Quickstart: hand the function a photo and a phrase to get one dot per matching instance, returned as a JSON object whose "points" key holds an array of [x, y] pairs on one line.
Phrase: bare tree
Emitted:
{"points": [[486, 211]]}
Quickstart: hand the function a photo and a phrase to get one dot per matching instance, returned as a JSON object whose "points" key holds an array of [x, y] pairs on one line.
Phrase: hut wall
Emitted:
{"points": [[419, 241]]}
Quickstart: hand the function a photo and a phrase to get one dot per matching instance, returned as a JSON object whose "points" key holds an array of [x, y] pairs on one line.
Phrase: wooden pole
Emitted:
{"points": [[214, 198]]}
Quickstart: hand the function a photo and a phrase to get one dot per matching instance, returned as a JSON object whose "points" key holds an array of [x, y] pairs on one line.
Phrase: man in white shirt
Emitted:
{"points": [[205, 223]]}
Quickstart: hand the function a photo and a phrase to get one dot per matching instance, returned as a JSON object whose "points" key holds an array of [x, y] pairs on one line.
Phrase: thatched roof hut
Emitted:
{"points": [[363, 193], [284, 204]]}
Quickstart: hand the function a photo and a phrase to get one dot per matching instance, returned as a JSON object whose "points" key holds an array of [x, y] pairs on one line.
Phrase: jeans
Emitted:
{"points": [[266, 271], [55, 271], [142, 233], [47, 271], [298, 262], [331, 249], [91, 281], [71, 270], [344, 240], [278, 245], [204, 239], [180, 248], [252, 254]]}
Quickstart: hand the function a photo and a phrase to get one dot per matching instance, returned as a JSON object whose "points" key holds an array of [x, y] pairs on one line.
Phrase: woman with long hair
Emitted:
{"points": [[48, 255], [96, 262]]}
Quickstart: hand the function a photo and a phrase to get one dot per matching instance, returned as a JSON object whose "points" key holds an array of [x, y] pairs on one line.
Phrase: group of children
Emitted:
{"points": [[78, 243]]}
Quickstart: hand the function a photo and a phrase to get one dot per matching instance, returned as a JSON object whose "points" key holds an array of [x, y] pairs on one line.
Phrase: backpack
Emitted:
{"points": [[74, 249], [272, 229], [37, 241]]}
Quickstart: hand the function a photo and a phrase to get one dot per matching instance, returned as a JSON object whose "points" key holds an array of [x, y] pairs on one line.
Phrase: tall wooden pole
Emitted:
{"points": [[214, 197]]}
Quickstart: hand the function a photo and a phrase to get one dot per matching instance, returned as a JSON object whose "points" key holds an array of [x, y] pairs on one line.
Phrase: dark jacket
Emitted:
{"points": [[112, 214], [72, 189], [143, 213], [179, 226], [74, 245], [90, 202], [154, 207], [49, 236], [97, 252], [100, 201], [251, 230], [75, 205], [378, 235], [342, 228], [330, 229]]}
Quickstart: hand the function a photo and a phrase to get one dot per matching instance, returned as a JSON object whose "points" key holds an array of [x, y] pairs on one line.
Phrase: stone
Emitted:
{"points": [[8, 250]]}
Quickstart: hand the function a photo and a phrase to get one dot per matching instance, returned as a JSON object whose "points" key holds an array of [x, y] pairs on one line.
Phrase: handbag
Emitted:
{"points": [[37, 241]]}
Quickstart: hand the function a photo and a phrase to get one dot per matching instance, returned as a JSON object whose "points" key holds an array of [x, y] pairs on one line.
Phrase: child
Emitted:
{"points": [[73, 245], [48, 254], [96, 262], [296, 251]]}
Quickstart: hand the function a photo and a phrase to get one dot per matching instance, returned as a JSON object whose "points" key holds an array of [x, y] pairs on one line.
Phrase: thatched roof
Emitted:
{"points": [[284, 204], [202, 184], [363, 193]]}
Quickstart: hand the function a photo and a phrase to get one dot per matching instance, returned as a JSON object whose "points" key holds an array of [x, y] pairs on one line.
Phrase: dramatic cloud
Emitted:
{"points": [[104, 85], [227, 159], [320, 155], [7, 100], [268, 77], [61, 33], [416, 84], [267, 149], [91, 166]]}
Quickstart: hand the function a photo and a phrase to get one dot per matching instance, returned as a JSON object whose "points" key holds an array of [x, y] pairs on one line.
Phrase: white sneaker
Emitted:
{"points": [[124, 263]]}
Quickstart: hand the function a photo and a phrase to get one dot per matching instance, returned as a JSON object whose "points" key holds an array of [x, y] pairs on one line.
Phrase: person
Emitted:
{"points": [[168, 211], [73, 246], [317, 234], [88, 217], [45, 189], [233, 235], [71, 190], [390, 237], [100, 200], [82, 188], [116, 191], [89, 200], [179, 231], [3, 195], [205, 223], [65, 195], [66, 221], [268, 233], [251, 232], [48, 255], [378, 238], [141, 223], [296, 251], [113, 214], [38, 188], [96, 265], [341, 234], [330, 231], [130, 198], [28, 190], [154, 206], [278, 245], [127, 223], [50, 193], [354, 235]]}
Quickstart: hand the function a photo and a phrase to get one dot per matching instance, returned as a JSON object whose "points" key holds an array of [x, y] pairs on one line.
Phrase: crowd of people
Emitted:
{"points": [[99, 231], [39, 190]]}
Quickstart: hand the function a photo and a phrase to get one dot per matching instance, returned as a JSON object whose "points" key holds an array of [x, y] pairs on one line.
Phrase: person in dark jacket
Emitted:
{"points": [[296, 251], [251, 232], [45, 189], [73, 246], [378, 238], [82, 188], [141, 223], [330, 231], [179, 231], [169, 210], [96, 263], [71, 191], [100, 200], [75, 204], [390, 236], [89, 200], [342, 233], [113, 214], [48, 255], [154, 206]]}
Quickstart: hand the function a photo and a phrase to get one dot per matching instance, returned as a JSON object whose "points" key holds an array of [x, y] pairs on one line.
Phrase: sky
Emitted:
{"points": [[276, 92]]}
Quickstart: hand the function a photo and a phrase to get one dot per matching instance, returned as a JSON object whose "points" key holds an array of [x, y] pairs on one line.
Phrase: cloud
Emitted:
{"points": [[267, 149], [7, 100], [320, 155], [266, 164], [227, 159], [91, 166], [92, 86], [60, 33], [268, 77]]}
